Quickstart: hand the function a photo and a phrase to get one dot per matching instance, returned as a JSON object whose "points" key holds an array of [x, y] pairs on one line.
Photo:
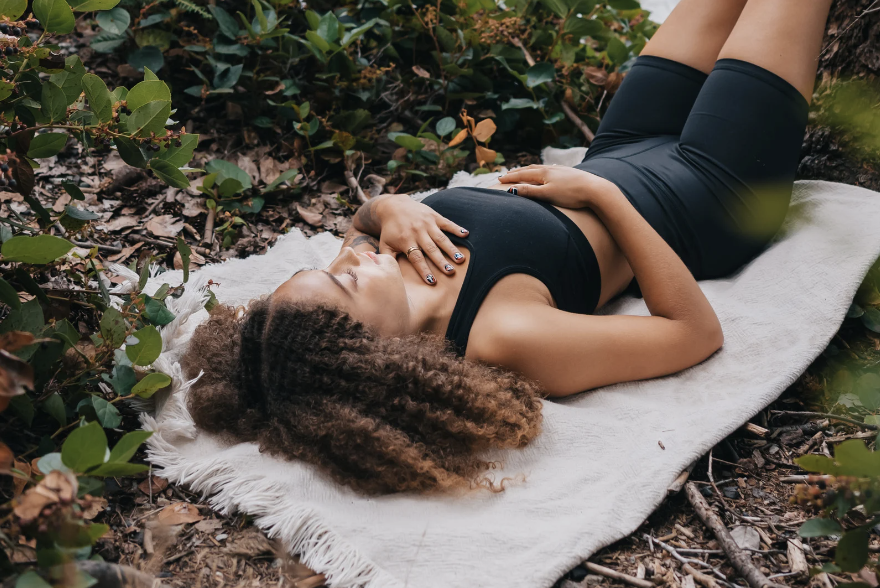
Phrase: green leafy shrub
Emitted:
{"points": [[342, 75]]}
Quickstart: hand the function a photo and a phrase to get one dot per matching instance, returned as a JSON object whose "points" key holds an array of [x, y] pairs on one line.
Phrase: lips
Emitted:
{"points": [[372, 256]]}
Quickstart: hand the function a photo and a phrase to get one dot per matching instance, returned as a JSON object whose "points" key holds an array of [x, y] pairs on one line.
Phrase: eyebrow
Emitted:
{"points": [[337, 282]]}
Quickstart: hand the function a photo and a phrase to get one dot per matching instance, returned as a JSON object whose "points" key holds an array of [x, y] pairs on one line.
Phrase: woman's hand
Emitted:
{"points": [[559, 185], [402, 223]]}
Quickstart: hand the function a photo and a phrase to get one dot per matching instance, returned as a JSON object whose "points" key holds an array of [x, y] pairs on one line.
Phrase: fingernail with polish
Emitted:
{"points": [[430, 278], [464, 230], [512, 190], [458, 256], [448, 267]]}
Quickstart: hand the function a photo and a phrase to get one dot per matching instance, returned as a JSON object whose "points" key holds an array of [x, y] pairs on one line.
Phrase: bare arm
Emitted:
{"points": [[569, 353]]}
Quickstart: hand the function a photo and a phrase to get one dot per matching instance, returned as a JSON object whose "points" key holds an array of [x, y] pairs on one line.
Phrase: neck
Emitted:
{"points": [[431, 306]]}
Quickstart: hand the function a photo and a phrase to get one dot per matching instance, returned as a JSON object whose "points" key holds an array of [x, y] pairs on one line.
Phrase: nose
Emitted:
{"points": [[347, 257]]}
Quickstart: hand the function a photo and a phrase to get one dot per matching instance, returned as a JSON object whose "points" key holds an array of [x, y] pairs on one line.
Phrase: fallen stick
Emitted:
{"points": [[825, 415], [707, 581], [615, 575], [742, 562]]}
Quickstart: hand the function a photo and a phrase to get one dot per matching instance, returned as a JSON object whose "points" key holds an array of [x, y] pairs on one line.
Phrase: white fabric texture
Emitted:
{"points": [[597, 470]]}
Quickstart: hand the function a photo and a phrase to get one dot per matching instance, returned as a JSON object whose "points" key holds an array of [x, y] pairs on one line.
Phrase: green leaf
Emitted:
{"points": [[227, 78], [540, 73], [261, 17], [114, 21], [557, 6], [28, 317], [84, 448], [857, 460], [180, 156], [24, 408], [582, 27], [9, 295], [328, 27], [617, 51], [122, 378], [185, 253], [113, 327], [168, 173], [817, 463], [317, 41], [53, 101], [128, 446], [92, 5], [229, 188], [107, 414], [55, 16], [148, 348], [99, 97], [73, 191], [156, 312], [517, 103], [820, 528], [445, 126], [12, 9], [37, 250], [871, 319], [31, 579], [150, 117], [407, 141], [150, 384], [145, 274], [624, 4], [225, 169], [146, 92], [54, 407], [130, 152], [852, 551], [118, 469], [225, 22], [285, 176], [79, 213]]}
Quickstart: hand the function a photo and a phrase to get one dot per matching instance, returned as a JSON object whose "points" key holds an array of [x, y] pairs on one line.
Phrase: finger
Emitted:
{"points": [[529, 191], [447, 245], [418, 260], [450, 227], [528, 176], [443, 244], [433, 252], [387, 249]]}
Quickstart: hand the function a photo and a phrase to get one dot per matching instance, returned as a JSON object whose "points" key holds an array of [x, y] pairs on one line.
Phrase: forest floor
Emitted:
{"points": [[169, 532]]}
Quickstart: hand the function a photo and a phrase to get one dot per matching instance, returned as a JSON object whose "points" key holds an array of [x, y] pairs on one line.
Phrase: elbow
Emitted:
{"points": [[714, 336]]}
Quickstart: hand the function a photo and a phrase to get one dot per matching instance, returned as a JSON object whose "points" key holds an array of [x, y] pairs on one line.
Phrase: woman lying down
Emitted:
{"points": [[439, 327]]}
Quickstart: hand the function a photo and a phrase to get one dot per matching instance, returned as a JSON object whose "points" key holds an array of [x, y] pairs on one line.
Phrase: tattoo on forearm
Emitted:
{"points": [[362, 239], [367, 219]]}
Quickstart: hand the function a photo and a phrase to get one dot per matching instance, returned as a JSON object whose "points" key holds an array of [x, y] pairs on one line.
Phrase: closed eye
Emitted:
{"points": [[354, 276]]}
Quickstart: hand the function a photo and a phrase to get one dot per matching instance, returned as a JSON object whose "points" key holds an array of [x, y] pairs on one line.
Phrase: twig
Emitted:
{"points": [[741, 561], [714, 487], [615, 575], [826, 416], [153, 206], [571, 114], [89, 245], [707, 581], [353, 184], [674, 553], [850, 25], [679, 482], [209, 227]]}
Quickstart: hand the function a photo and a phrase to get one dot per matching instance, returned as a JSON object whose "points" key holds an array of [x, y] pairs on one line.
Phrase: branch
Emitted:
{"points": [[825, 415], [741, 561]]}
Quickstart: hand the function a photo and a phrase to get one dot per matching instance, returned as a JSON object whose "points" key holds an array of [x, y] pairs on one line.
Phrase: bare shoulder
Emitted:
{"points": [[506, 314]]}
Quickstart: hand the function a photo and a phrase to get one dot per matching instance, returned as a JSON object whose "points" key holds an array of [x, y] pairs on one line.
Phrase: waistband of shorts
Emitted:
{"points": [[766, 76], [671, 65]]}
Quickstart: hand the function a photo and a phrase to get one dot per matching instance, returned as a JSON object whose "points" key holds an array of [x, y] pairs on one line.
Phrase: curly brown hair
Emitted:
{"points": [[379, 414]]}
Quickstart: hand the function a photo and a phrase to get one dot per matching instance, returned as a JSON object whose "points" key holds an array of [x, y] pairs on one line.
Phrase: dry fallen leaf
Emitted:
{"points": [[270, 169], [249, 543], [94, 507], [179, 513], [420, 71], [15, 340], [120, 222], [208, 525], [311, 217], [165, 225], [484, 130], [15, 377], [18, 484], [6, 458], [125, 253], [55, 487], [60, 203], [158, 484], [596, 75], [246, 162]]}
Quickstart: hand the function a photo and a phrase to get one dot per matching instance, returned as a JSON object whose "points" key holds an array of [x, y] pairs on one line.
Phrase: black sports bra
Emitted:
{"points": [[514, 235]]}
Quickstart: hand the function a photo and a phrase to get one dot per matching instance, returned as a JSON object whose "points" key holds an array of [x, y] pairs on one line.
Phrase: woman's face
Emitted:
{"points": [[368, 286]]}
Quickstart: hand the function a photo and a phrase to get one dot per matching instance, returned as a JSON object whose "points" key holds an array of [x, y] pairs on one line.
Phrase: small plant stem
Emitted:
{"points": [[24, 61], [827, 416], [18, 225], [64, 428]]}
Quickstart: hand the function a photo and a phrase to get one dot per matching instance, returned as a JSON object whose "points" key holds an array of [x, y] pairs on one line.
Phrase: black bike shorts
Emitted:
{"points": [[708, 160]]}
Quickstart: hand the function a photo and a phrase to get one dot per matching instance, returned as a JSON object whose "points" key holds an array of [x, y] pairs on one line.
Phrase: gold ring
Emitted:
{"points": [[411, 249]]}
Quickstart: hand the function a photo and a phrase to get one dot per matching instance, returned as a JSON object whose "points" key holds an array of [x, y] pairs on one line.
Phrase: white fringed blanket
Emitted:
{"points": [[597, 470]]}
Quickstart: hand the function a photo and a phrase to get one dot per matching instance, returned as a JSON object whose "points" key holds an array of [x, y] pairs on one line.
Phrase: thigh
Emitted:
{"points": [[747, 126], [654, 99]]}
